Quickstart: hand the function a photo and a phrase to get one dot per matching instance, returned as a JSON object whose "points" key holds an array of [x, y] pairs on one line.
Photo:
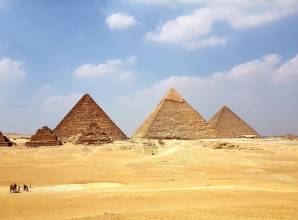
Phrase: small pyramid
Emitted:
{"points": [[174, 118], [228, 125], [43, 137], [81, 116], [93, 135], [4, 141]]}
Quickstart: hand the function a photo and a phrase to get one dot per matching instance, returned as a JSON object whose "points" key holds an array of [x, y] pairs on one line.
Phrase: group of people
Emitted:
{"points": [[14, 188]]}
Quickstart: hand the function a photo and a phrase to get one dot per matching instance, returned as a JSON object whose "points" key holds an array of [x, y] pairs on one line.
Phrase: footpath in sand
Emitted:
{"points": [[208, 179]]}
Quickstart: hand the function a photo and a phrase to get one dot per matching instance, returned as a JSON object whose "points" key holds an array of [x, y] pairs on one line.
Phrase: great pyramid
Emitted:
{"points": [[228, 125], [81, 116], [4, 141], [43, 137], [93, 135], [174, 118]]}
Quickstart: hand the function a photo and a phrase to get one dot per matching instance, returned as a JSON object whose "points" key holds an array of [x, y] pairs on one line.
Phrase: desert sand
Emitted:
{"points": [[170, 180]]}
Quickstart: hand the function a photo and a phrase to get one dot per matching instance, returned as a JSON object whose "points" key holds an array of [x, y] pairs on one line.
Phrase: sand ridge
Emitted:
{"points": [[139, 179]]}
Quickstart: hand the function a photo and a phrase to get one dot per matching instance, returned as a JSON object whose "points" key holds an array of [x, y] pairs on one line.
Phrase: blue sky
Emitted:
{"points": [[128, 53]]}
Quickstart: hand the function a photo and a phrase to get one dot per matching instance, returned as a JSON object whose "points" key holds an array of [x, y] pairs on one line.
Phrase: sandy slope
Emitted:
{"points": [[208, 179]]}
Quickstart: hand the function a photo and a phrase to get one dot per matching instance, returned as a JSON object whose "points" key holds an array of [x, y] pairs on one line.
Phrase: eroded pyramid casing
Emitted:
{"points": [[93, 135], [228, 125], [174, 118], [81, 116], [43, 137], [4, 141]]}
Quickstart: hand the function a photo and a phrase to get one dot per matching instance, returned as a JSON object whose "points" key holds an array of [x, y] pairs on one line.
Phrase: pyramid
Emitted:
{"points": [[80, 117], [43, 137], [228, 125], [93, 135], [174, 118], [4, 141]]}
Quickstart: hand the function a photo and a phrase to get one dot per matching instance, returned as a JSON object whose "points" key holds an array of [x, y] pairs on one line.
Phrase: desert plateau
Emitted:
{"points": [[149, 179]]}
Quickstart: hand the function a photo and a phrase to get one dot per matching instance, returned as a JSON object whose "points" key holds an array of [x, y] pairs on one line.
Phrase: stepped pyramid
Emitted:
{"points": [[4, 141], [93, 135], [81, 116], [43, 137], [174, 118], [228, 125]]}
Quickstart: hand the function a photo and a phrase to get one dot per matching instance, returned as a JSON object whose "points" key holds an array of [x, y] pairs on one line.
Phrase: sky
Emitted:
{"points": [[126, 54]]}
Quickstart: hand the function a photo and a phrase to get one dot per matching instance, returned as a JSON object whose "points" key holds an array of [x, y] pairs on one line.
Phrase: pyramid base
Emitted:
{"points": [[93, 142], [6, 144], [42, 143]]}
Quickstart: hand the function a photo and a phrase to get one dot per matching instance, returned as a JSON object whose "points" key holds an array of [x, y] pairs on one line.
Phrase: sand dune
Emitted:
{"points": [[173, 179]]}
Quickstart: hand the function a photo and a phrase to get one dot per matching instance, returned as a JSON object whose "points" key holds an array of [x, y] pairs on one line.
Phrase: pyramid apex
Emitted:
{"points": [[173, 95], [225, 108], [86, 95]]}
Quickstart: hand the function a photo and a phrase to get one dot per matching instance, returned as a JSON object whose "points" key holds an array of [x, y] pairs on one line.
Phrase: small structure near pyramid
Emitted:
{"points": [[174, 118], [228, 125], [4, 141], [81, 116], [43, 137], [93, 135]]}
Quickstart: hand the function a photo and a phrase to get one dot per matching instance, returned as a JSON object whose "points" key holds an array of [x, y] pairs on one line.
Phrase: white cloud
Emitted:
{"points": [[44, 90], [117, 68], [60, 100], [196, 30], [288, 73], [131, 60], [221, 3], [120, 21], [59, 104], [262, 91], [11, 70], [190, 31]]}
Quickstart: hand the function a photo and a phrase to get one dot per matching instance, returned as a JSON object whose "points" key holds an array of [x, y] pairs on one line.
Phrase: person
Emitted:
{"points": [[19, 188]]}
